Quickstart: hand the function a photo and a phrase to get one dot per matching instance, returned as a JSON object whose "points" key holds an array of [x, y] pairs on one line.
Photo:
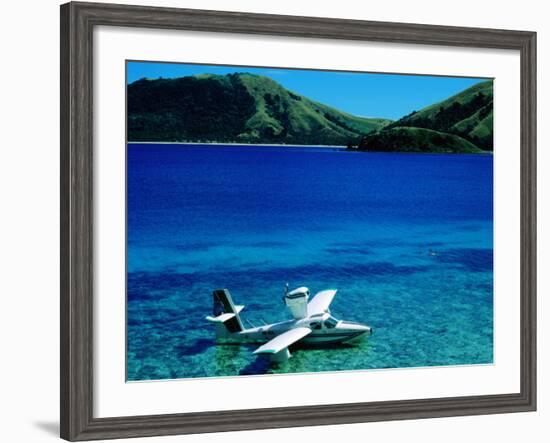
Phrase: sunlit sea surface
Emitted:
{"points": [[407, 239]]}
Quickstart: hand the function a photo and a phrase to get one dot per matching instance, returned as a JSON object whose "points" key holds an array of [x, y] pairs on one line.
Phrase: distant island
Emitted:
{"points": [[253, 109]]}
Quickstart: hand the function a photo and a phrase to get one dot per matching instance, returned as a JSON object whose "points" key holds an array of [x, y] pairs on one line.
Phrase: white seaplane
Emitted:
{"points": [[312, 324]]}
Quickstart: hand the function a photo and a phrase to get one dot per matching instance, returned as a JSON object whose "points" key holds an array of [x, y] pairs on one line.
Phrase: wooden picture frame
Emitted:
{"points": [[77, 23]]}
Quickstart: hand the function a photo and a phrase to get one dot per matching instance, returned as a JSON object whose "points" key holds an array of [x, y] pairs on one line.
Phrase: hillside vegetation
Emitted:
{"points": [[419, 140], [458, 124], [248, 108], [241, 107]]}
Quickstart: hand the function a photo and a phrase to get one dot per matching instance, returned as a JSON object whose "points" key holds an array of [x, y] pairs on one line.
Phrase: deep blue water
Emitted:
{"points": [[251, 219]]}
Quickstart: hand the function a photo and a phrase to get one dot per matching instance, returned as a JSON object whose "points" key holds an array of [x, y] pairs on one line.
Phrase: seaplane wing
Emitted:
{"points": [[321, 302], [283, 341]]}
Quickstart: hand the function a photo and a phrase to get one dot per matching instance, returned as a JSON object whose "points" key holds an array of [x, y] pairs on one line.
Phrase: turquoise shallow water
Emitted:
{"points": [[252, 218]]}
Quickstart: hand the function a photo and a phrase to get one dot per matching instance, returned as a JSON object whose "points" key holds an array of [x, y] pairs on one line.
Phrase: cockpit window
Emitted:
{"points": [[330, 322], [315, 325]]}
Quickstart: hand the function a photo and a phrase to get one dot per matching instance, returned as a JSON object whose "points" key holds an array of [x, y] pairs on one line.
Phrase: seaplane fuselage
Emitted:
{"points": [[325, 330]]}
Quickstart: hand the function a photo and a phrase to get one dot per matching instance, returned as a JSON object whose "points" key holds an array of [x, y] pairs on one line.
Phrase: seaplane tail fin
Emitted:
{"points": [[321, 302], [277, 348], [224, 307]]}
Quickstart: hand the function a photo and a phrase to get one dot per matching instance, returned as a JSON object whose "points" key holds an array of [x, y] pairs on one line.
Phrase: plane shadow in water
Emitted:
{"points": [[195, 347], [229, 351], [262, 364]]}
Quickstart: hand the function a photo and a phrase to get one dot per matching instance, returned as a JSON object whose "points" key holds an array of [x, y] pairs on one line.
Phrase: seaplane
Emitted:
{"points": [[311, 324]]}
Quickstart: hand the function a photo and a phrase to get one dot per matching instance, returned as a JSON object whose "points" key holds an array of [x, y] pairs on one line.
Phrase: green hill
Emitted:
{"points": [[241, 107], [468, 114], [407, 139]]}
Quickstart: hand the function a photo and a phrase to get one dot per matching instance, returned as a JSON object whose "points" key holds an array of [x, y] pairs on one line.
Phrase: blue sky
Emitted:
{"points": [[364, 94]]}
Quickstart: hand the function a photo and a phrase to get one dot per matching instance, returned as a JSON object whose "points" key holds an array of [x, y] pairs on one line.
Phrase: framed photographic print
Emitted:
{"points": [[272, 221]]}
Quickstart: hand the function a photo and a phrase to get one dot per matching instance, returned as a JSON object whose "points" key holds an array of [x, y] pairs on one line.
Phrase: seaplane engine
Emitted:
{"points": [[296, 302]]}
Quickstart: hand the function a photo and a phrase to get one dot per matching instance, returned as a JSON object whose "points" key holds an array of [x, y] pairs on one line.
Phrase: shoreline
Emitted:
{"points": [[274, 145]]}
